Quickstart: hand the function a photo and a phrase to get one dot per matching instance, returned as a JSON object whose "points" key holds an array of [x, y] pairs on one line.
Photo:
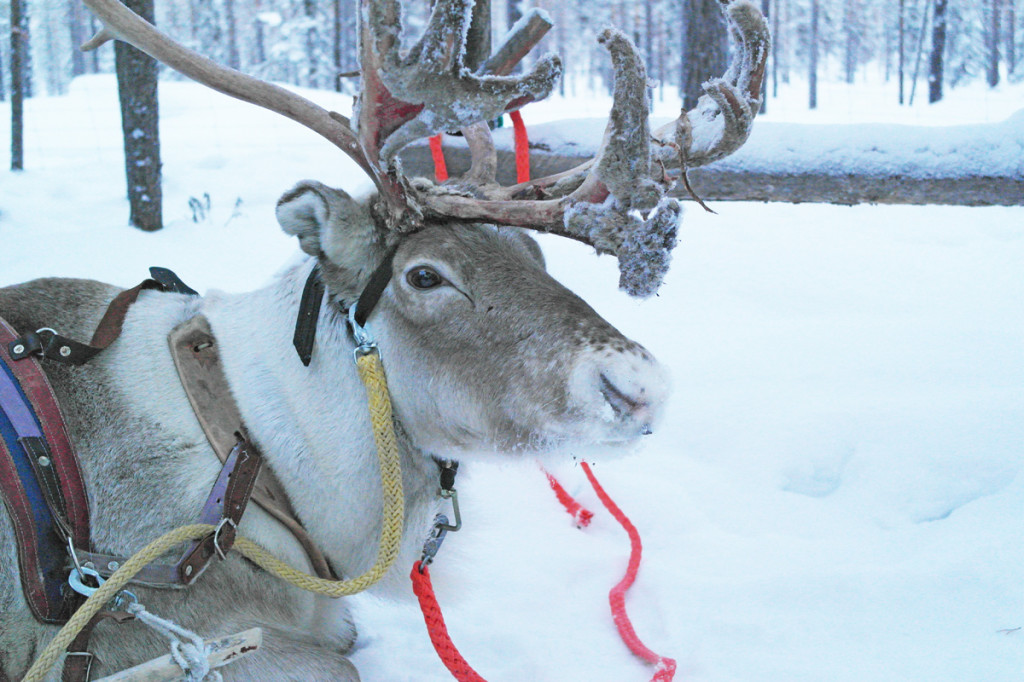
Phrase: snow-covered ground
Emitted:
{"points": [[835, 492]]}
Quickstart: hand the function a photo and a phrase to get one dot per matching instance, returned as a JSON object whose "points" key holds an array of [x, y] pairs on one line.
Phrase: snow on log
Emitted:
{"points": [[973, 165]]}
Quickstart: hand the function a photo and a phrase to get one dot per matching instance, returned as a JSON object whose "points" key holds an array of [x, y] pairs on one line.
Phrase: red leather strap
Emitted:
{"points": [[36, 386]]}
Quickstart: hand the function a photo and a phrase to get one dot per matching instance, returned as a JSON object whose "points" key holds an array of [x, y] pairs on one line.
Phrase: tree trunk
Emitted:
{"points": [[3, 86], [812, 62], [992, 73], [312, 70], [776, 41], [766, 11], [920, 50], [336, 47], [1011, 37], [76, 25], [705, 47], [851, 28], [137, 89], [938, 48], [513, 12], [18, 20], [902, 45], [234, 60]]}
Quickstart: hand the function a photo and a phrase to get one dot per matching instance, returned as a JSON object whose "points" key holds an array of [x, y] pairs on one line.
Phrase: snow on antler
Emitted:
{"points": [[432, 75]]}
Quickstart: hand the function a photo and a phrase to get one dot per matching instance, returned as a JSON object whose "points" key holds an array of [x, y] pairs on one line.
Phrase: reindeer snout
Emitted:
{"points": [[623, 391]]}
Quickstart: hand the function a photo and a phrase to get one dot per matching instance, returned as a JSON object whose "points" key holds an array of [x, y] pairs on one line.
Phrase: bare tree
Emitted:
{"points": [[233, 59], [704, 45], [812, 61], [938, 50], [1011, 37], [852, 28], [902, 44], [992, 72], [18, 49], [77, 32], [137, 89], [3, 86], [766, 10]]}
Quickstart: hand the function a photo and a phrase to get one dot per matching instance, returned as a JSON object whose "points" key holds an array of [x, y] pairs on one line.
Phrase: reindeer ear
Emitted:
{"points": [[327, 221]]}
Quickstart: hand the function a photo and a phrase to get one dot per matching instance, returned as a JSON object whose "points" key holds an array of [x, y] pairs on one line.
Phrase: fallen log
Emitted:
{"points": [[975, 165]]}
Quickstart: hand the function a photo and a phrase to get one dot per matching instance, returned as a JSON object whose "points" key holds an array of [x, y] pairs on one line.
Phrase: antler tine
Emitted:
{"points": [[430, 87], [722, 120], [121, 23], [526, 33]]}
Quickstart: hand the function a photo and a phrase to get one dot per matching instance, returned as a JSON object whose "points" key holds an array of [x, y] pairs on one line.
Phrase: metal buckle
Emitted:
{"points": [[216, 536]]}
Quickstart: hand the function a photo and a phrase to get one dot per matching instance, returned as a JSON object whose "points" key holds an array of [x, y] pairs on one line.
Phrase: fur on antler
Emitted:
{"points": [[616, 202]]}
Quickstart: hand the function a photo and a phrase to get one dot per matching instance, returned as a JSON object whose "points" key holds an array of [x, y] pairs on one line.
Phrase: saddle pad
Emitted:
{"points": [[35, 451]]}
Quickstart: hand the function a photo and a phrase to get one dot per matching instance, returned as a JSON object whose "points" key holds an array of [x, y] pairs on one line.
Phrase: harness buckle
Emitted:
{"points": [[216, 536]]}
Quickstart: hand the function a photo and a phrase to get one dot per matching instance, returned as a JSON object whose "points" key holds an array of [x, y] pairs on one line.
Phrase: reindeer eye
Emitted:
{"points": [[422, 277]]}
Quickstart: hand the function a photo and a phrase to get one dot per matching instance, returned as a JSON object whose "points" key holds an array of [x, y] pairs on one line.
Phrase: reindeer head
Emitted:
{"points": [[484, 349]]}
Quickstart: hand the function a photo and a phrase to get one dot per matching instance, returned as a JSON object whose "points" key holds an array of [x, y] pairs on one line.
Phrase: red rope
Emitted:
{"points": [[580, 514], [666, 667], [522, 147], [440, 168], [443, 645]]}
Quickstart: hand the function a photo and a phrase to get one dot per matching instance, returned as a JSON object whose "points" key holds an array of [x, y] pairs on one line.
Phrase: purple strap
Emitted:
{"points": [[165, 575], [17, 411]]}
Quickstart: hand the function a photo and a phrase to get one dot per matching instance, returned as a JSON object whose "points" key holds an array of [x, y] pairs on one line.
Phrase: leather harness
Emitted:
{"points": [[42, 486]]}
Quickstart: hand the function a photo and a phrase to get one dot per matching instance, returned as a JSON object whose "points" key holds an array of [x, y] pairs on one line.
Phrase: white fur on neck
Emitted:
{"points": [[313, 426]]}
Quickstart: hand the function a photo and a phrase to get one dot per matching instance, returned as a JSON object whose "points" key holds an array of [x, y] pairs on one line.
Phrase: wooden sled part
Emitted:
{"points": [[223, 650]]}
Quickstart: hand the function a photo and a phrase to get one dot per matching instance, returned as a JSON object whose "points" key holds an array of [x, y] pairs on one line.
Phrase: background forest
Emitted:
{"points": [[311, 43]]}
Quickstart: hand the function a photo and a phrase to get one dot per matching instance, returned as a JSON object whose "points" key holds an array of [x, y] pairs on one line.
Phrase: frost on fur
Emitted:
{"points": [[642, 245]]}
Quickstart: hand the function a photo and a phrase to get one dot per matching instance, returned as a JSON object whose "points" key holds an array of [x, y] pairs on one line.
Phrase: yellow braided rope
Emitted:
{"points": [[371, 371]]}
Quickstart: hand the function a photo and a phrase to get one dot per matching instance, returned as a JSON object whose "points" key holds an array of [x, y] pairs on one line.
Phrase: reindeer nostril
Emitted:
{"points": [[621, 404]]}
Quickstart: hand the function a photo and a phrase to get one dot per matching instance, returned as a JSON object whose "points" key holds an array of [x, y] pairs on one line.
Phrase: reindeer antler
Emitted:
{"points": [[616, 202]]}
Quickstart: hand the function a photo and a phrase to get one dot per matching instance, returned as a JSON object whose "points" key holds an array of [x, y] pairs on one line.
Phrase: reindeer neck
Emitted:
{"points": [[312, 423]]}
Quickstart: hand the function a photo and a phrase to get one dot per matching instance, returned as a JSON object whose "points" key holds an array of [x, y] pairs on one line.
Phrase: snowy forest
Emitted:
{"points": [[311, 43]]}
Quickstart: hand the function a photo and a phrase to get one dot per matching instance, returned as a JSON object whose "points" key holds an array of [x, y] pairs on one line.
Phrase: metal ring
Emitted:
{"points": [[216, 536], [75, 581]]}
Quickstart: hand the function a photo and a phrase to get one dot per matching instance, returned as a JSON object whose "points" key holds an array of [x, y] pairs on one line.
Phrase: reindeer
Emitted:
{"points": [[485, 352]]}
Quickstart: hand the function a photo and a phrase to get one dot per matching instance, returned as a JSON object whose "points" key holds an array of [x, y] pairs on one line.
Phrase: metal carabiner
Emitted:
{"points": [[365, 343], [433, 543]]}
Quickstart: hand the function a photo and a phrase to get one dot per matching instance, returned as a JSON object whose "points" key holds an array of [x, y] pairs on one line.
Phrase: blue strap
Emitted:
{"points": [[17, 420]]}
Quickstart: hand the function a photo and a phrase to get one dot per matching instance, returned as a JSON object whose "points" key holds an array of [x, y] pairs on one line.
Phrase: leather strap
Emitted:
{"points": [[309, 315], [312, 301], [49, 344], [224, 508], [197, 359], [78, 662], [248, 462], [40, 482], [375, 287]]}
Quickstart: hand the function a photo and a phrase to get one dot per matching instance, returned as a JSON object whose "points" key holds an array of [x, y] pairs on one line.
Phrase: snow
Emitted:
{"points": [[834, 493]]}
